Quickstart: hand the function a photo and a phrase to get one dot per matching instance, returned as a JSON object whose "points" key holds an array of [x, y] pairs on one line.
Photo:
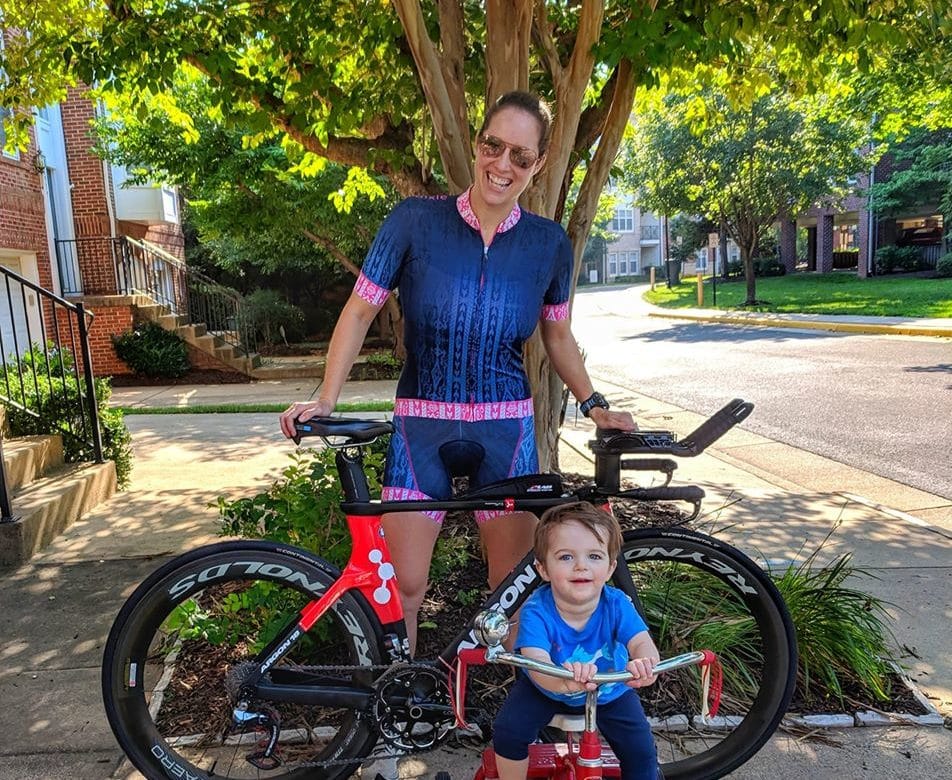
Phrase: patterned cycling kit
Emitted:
{"points": [[467, 310]]}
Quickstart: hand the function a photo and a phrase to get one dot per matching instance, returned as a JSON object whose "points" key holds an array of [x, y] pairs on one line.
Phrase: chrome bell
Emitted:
{"points": [[491, 627]]}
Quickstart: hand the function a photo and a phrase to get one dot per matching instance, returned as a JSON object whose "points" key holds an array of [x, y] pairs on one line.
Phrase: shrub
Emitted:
{"points": [[303, 506], [943, 268], [151, 350], [266, 312], [841, 631], [896, 259], [768, 266], [53, 399]]}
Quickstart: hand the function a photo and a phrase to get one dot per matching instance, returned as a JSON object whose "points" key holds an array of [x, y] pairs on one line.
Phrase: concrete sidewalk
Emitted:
{"points": [[774, 501]]}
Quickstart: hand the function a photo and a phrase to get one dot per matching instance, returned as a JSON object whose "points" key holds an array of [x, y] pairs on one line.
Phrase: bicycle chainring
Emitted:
{"points": [[412, 709]]}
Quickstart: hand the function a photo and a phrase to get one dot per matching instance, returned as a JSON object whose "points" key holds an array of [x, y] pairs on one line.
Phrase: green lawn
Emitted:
{"points": [[835, 293]]}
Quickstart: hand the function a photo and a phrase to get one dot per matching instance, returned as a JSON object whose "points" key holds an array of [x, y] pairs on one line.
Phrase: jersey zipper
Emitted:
{"points": [[479, 314]]}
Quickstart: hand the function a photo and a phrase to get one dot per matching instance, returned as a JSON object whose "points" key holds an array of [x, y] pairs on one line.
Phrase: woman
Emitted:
{"points": [[476, 275]]}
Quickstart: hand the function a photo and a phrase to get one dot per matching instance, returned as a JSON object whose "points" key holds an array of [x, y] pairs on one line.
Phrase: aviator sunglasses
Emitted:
{"points": [[493, 147]]}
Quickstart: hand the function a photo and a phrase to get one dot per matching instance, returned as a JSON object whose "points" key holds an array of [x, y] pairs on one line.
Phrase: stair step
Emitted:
{"points": [[27, 458], [152, 311], [172, 321], [192, 331], [46, 507]]}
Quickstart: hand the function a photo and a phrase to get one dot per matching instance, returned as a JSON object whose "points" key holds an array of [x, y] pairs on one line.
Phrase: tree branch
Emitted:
{"points": [[542, 32], [451, 137], [570, 91], [597, 173]]}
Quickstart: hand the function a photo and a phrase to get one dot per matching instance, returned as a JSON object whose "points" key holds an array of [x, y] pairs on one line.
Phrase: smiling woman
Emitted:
{"points": [[476, 275]]}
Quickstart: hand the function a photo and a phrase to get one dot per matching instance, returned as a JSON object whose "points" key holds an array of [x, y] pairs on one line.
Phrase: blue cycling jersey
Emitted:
{"points": [[467, 308]]}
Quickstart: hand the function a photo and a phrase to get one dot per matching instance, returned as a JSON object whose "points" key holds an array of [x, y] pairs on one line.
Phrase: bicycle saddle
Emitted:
{"points": [[355, 431], [462, 458]]}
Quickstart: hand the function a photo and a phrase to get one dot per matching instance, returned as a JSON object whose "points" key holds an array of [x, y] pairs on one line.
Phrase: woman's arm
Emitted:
{"points": [[562, 349], [346, 341]]}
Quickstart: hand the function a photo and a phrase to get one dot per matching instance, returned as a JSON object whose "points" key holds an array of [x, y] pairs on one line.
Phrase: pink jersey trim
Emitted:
{"points": [[465, 208], [373, 293], [443, 410], [409, 494], [555, 312]]}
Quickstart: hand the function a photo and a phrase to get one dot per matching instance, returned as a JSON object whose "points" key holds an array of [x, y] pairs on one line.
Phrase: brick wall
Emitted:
{"points": [[90, 190], [22, 222], [168, 237]]}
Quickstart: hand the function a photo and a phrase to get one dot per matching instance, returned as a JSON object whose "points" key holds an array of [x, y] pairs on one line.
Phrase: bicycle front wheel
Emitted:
{"points": [[696, 593], [181, 644]]}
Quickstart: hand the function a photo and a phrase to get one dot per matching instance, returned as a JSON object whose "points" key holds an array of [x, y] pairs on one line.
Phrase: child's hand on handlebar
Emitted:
{"points": [[583, 673], [642, 671], [304, 411]]}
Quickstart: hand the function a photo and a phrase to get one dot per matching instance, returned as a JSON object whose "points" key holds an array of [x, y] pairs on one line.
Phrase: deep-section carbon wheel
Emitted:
{"points": [[698, 593], [180, 649]]}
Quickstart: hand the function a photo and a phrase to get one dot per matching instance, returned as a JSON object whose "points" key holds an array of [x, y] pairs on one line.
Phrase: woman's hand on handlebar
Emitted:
{"points": [[613, 419], [642, 672], [304, 411]]}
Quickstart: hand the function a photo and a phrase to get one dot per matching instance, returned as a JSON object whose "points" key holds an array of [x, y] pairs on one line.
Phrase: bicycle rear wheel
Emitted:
{"points": [[695, 593], [177, 647]]}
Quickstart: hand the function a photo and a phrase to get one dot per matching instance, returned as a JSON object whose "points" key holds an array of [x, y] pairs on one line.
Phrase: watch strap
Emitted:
{"points": [[595, 399]]}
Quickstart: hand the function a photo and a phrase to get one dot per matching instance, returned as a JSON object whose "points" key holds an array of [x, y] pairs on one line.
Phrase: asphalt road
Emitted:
{"points": [[880, 403]]}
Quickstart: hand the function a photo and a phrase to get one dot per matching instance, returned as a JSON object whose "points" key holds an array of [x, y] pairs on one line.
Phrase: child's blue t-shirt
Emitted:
{"points": [[603, 641]]}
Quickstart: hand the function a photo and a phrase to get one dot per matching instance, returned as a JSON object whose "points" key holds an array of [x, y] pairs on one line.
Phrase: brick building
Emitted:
{"points": [[63, 216]]}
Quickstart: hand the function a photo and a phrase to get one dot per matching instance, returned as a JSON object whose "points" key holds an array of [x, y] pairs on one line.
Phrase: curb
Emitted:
{"points": [[845, 327], [869, 718]]}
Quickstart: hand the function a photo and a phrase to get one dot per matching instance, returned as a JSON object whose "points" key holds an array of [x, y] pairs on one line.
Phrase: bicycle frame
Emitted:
{"points": [[369, 571]]}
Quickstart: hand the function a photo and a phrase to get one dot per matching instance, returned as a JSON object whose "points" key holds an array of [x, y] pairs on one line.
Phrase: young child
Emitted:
{"points": [[579, 622]]}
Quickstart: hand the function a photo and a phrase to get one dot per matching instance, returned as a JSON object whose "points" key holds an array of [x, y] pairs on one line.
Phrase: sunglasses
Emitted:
{"points": [[492, 147]]}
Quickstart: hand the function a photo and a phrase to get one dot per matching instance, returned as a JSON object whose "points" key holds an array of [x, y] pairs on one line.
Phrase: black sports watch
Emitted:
{"points": [[595, 399]]}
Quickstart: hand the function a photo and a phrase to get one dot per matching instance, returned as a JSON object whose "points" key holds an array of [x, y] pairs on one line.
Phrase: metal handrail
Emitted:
{"points": [[143, 268], [48, 343]]}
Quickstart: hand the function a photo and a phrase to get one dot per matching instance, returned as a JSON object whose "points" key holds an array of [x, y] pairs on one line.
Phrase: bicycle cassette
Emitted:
{"points": [[412, 707]]}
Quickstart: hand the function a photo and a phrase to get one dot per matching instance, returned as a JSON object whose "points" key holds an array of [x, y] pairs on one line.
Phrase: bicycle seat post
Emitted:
{"points": [[353, 479]]}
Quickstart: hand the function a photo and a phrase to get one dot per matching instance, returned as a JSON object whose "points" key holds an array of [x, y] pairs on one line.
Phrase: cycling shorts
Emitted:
{"points": [[415, 470]]}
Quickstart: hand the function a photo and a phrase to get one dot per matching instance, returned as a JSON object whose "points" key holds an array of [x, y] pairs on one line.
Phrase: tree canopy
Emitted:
{"points": [[398, 89], [743, 166]]}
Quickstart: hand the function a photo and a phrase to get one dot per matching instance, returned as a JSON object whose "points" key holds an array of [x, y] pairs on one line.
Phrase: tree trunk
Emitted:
{"points": [[722, 245], [446, 101], [508, 29], [547, 392]]}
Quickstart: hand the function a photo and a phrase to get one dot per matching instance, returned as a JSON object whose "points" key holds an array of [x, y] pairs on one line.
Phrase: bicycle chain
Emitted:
{"points": [[373, 755]]}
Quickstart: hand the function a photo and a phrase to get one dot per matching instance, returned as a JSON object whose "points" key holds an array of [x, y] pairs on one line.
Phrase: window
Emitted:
{"points": [[612, 264], [623, 221], [650, 232]]}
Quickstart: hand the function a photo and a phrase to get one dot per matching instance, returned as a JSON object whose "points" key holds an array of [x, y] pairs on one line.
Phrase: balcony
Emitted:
{"points": [[145, 204], [650, 232]]}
